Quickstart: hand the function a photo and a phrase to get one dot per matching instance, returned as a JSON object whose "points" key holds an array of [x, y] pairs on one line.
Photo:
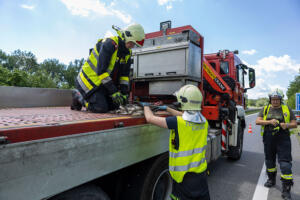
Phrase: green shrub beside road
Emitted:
{"points": [[252, 111]]}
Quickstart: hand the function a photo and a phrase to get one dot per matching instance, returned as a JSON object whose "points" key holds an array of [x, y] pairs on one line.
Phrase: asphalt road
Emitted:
{"points": [[232, 180]]}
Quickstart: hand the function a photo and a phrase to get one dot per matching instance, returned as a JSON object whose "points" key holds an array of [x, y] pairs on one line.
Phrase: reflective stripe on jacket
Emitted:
{"points": [[285, 111], [88, 78], [190, 156]]}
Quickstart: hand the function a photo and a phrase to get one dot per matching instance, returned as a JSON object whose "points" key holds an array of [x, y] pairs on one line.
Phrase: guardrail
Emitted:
{"points": [[252, 110], [22, 97]]}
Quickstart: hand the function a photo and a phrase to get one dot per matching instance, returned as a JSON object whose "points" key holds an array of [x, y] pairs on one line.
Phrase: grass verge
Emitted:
{"points": [[297, 135], [249, 112]]}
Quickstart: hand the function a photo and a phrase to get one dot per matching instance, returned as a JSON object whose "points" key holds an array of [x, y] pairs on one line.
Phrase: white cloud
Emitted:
{"points": [[167, 3], [125, 18], [271, 73], [262, 89], [89, 7], [28, 7], [277, 64], [163, 2], [108, 34], [249, 52], [169, 7]]}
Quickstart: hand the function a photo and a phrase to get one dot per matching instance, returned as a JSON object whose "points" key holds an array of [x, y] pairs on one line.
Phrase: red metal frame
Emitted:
{"points": [[210, 112], [30, 132], [36, 133]]}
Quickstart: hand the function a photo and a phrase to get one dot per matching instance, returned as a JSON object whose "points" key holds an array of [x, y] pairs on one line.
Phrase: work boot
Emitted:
{"points": [[271, 179], [77, 100], [286, 189]]}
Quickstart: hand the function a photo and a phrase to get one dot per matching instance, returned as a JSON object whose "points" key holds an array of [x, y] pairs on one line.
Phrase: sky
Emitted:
{"points": [[266, 32]]}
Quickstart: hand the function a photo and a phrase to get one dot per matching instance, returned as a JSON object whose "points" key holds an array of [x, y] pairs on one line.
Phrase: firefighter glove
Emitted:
{"points": [[125, 98], [276, 128], [160, 108], [143, 104], [117, 98]]}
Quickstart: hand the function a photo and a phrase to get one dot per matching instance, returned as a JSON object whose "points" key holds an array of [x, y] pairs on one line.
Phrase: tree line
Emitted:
{"points": [[20, 68], [294, 87]]}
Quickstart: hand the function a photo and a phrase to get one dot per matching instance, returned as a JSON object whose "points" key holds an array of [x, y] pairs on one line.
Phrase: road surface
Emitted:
{"points": [[244, 179]]}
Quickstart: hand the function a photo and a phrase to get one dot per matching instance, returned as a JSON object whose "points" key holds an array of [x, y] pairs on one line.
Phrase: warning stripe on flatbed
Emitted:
{"points": [[26, 124]]}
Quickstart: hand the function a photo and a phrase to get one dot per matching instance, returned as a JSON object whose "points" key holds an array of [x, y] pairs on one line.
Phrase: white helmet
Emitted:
{"points": [[134, 33], [277, 93], [190, 97]]}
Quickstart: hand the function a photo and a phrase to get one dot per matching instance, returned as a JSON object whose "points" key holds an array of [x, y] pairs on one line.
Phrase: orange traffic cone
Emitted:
{"points": [[250, 129]]}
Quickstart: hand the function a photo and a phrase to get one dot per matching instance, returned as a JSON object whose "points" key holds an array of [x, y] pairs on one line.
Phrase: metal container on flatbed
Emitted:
{"points": [[168, 62]]}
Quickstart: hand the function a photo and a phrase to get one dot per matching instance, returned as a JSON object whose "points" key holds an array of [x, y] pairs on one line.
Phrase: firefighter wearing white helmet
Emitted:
{"points": [[190, 97], [277, 93], [134, 33], [187, 146], [276, 119], [103, 81]]}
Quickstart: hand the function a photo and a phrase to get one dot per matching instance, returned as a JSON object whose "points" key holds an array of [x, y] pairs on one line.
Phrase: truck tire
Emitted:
{"points": [[158, 182], [235, 153], [85, 192]]}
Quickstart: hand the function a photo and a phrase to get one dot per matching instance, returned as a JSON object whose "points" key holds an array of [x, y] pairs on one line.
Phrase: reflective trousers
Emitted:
{"points": [[193, 187], [278, 144], [100, 101]]}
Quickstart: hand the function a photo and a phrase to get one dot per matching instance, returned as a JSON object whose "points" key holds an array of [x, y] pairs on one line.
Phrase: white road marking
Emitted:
{"points": [[261, 192]]}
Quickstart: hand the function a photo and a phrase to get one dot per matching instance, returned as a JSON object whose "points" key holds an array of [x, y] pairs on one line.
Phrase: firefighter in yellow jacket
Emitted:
{"points": [[103, 81], [187, 145], [276, 120]]}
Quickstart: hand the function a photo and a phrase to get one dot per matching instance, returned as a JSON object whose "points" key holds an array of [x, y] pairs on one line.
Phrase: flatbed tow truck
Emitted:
{"points": [[48, 151]]}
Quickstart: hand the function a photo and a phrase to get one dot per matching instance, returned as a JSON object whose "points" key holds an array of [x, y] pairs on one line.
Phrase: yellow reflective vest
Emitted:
{"points": [[88, 78], [285, 111], [190, 155]]}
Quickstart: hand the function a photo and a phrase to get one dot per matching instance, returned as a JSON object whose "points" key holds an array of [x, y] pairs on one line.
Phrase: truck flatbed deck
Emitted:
{"points": [[26, 124]]}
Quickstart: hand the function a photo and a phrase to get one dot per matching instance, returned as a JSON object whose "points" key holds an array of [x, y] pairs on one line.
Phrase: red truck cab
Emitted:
{"points": [[231, 69]]}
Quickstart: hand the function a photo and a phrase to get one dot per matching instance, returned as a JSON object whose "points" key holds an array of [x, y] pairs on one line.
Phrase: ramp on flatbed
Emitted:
{"points": [[26, 124]]}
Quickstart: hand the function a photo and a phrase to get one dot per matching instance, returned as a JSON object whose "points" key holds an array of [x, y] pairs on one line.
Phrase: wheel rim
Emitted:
{"points": [[163, 186]]}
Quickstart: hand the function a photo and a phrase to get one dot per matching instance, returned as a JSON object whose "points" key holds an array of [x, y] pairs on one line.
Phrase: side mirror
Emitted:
{"points": [[251, 77]]}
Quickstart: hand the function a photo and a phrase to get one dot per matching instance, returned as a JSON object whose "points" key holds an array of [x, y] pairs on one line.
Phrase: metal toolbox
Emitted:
{"points": [[168, 63], [170, 60]]}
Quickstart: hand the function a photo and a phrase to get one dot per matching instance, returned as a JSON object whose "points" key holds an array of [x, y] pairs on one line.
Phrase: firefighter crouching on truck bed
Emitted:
{"points": [[103, 81], [187, 146], [276, 119]]}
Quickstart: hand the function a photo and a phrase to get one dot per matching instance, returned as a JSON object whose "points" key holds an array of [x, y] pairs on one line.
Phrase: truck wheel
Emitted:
{"points": [[235, 153], [90, 192], [158, 182]]}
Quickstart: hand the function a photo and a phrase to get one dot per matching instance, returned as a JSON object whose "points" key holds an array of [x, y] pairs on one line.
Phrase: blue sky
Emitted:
{"points": [[266, 32]]}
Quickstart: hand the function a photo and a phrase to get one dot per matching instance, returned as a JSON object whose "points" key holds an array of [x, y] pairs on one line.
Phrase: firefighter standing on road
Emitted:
{"points": [[187, 146], [276, 119], [103, 81]]}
